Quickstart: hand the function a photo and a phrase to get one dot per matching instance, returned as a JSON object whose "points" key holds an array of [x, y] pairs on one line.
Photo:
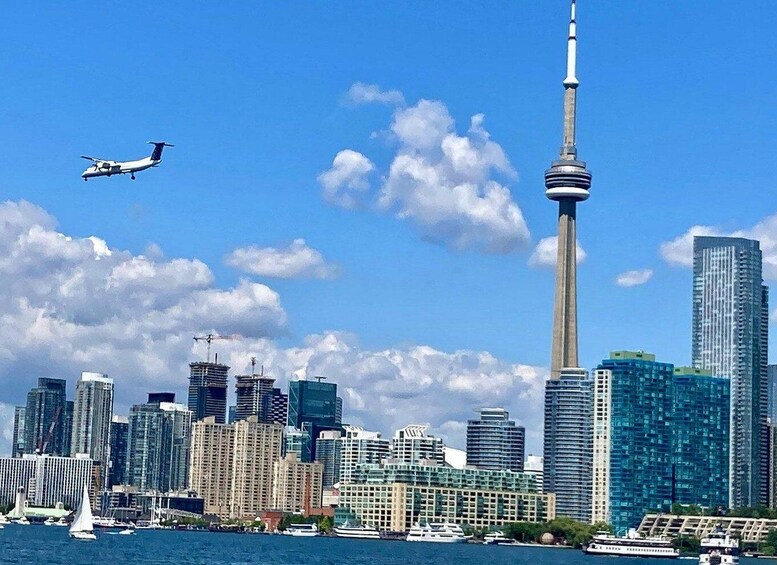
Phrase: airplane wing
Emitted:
{"points": [[88, 158]]}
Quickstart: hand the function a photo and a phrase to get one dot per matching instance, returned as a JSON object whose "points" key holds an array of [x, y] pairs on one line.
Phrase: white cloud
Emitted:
{"points": [[346, 181], [297, 260], [679, 251], [446, 185], [634, 278], [361, 93], [6, 429], [545, 253]]}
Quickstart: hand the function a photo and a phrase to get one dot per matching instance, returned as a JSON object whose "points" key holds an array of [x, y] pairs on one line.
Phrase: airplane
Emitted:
{"points": [[106, 167]]}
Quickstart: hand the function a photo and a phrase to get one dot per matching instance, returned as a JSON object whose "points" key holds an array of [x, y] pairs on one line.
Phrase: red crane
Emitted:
{"points": [[42, 447]]}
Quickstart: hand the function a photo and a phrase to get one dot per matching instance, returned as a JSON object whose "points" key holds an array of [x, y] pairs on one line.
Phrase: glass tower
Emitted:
{"points": [[117, 468], [771, 411], [92, 415], [208, 390], [46, 420], [17, 443], [495, 442], [730, 339], [313, 406]]}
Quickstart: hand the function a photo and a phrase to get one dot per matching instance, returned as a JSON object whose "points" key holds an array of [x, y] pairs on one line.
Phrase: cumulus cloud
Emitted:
{"points": [[634, 278], [679, 251], [6, 429], [345, 183], [361, 93], [297, 260], [545, 253], [447, 185]]}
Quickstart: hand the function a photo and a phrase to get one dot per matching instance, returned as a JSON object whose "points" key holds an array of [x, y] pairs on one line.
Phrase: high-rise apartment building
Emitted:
{"points": [[313, 407], [17, 442], [257, 447], [730, 339], [208, 390], [771, 402], [700, 430], [92, 414], [256, 396], [46, 420], [568, 442], [632, 438], [413, 445], [158, 450], [211, 464], [534, 466], [329, 454], [297, 486], [495, 442], [117, 466], [357, 447]]}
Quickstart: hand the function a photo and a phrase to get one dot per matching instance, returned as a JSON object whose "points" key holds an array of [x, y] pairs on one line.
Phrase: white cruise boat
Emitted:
{"points": [[3, 520], [444, 532], [302, 530], [82, 528], [719, 548], [497, 538], [356, 532], [23, 521], [604, 543]]}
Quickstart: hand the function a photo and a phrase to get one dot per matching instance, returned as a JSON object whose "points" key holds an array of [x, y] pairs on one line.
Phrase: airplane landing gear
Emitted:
{"points": [[132, 177], [86, 180]]}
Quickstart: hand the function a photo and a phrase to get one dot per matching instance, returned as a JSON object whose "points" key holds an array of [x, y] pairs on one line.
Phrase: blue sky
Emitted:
{"points": [[675, 121]]}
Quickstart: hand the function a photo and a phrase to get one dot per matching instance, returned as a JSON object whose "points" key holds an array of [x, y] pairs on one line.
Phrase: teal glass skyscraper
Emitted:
{"points": [[730, 339], [632, 438], [700, 428]]}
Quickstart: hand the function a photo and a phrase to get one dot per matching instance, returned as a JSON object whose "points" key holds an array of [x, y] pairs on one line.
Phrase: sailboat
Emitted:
{"points": [[82, 527]]}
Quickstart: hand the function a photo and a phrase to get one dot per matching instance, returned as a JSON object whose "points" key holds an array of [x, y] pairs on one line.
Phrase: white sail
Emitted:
{"points": [[83, 519]]}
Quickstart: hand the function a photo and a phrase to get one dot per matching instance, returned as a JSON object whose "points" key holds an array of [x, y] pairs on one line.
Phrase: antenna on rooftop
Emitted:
{"points": [[319, 378]]}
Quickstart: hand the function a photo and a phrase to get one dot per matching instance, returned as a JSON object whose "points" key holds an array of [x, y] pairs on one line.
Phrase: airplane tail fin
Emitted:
{"points": [[156, 154]]}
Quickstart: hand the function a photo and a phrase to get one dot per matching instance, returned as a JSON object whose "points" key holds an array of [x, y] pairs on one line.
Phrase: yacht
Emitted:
{"points": [[3, 520], [50, 521], [23, 521], [633, 545], [302, 530], [719, 548], [497, 538], [442, 532], [61, 523], [358, 532], [82, 528]]}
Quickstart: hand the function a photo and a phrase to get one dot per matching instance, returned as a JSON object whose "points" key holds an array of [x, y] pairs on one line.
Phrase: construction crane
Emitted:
{"points": [[210, 337], [42, 447]]}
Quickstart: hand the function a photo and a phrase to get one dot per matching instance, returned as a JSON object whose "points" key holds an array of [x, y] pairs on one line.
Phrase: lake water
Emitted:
{"points": [[51, 545]]}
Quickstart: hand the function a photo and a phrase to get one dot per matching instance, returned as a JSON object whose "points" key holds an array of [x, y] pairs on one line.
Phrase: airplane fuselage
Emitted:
{"points": [[108, 168]]}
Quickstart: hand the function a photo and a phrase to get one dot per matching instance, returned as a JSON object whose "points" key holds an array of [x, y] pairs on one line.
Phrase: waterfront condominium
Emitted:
{"points": [[117, 466], [494, 441], [771, 403], [632, 438], [700, 428], [412, 444], [297, 486], [92, 414], [257, 447], [329, 454], [730, 339], [211, 464], [46, 418], [357, 447], [567, 450], [208, 390]]}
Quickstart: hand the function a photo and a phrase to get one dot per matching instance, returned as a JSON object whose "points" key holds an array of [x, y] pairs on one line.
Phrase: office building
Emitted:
{"points": [[92, 414], [414, 446], [297, 486], [48, 480], [313, 406], [534, 466], [700, 429], [45, 418], [329, 454], [211, 464], [208, 391], [357, 447], [295, 441], [158, 450], [17, 441], [632, 438], [568, 443], [117, 466], [394, 496], [257, 447], [730, 339], [495, 442]]}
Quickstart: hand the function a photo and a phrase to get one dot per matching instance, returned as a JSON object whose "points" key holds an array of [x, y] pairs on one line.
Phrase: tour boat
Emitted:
{"points": [[719, 548], [497, 538], [444, 532], [604, 543], [82, 528], [356, 532], [302, 530]]}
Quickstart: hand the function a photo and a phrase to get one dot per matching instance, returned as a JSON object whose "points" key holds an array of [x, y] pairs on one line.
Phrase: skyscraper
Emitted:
{"points": [[567, 182], [568, 451], [158, 450], [412, 445], [329, 454], [117, 467], [256, 396], [359, 447], [45, 418], [771, 411], [495, 442], [17, 443], [257, 447], [208, 390], [730, 339], [92, 414], [313, 407], [211, 464]]}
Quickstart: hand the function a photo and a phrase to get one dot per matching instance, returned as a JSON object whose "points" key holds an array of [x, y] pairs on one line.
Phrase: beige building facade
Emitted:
{"points": [[212, 464], [297, 486], [257, 448]]}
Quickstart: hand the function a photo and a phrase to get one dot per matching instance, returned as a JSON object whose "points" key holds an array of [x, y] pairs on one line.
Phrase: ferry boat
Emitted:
{"points": [[604, 543], [356, 532], [497, 538], [444, 532], [719, 548], [301, 530]]}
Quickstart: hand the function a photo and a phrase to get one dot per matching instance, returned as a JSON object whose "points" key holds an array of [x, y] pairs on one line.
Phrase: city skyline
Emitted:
{"points": [[400, 312]]}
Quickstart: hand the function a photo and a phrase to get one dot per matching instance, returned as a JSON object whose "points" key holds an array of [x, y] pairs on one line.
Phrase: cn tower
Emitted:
{"points": [[567, 182]]}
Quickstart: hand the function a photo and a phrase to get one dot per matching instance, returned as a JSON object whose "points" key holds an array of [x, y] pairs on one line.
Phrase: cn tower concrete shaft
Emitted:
{"points": [[564, 348]]}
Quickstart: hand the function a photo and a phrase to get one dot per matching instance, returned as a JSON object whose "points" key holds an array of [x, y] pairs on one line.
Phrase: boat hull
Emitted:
{"points": [[626, 551], [83, 536]]}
